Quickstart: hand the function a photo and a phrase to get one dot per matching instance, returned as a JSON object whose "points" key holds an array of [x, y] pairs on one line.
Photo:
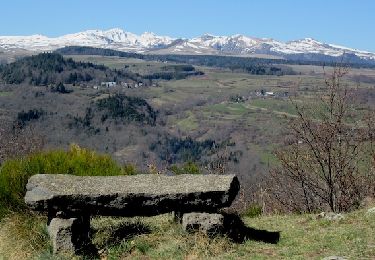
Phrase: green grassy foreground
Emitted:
{"points": [[302, 237], [23, 235]]}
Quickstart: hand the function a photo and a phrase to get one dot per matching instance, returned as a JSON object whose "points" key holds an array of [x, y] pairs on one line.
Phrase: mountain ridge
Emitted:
{"points": [[148, 42]]}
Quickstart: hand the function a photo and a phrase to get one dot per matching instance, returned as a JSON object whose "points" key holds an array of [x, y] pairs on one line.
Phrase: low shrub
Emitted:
{"points": [[187, 168], [15, 173], [129, 169], [254, 210]]}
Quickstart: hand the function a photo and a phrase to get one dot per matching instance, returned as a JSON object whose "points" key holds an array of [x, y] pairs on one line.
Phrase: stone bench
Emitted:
{"points": [[70, 201]]}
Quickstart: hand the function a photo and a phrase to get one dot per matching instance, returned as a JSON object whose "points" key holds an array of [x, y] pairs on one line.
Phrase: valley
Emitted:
{"points": [[242, 116], [187, 130]]}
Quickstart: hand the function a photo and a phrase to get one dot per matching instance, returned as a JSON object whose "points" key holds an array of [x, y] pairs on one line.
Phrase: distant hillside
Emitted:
{"points": [[83, 50], [53, 68], [252, 65], [255, 66]]}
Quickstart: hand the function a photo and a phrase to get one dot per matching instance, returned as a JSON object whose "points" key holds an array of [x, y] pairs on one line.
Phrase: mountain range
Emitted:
{"points": [[238, 45]]}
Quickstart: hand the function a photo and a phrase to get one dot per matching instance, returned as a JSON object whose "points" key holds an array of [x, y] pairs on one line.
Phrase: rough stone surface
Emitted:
{"points": [[331, 216], [138, 195], [334, 257], [204, 222], [68, 236]]}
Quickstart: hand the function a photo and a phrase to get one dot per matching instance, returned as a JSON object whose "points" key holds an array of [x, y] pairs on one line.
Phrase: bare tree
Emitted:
{"points": [[16, 141], [322, 164]]}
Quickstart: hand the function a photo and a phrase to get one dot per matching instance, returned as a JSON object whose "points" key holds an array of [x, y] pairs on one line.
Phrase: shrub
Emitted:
{"points": [[60, 88], [33, 114], [187, 168], [254, 210], [129, 169], [15, 173], [176, 149]]}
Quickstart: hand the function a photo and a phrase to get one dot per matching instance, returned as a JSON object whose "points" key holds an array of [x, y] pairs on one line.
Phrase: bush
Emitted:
{"points": [[176, 149], [187, 168], [15, 173], [60, 88], [129, 169], [33, 114], [252, 211]]}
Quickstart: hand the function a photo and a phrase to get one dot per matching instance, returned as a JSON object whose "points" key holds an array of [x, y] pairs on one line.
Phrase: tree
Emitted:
{"points": [[60, 88], [323, 165], [16, 141]]}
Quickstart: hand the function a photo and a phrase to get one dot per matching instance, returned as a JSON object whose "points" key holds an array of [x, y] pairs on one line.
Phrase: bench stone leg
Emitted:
{"points": [[177, 216], [208, 223], [69, 235]]}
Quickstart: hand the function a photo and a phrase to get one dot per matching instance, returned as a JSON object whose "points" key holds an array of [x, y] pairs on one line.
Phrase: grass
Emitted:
{"points": [[113, 62], [189, 123], [266, 155], [23, 236], [274, 105], [5, 93], [302, 237]]}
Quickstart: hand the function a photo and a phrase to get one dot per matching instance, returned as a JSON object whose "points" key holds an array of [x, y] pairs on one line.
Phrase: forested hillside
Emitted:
{"points": [[52, 68]]}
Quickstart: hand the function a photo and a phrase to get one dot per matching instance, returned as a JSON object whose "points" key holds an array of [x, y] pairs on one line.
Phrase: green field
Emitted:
{"points": [[5, 93]]}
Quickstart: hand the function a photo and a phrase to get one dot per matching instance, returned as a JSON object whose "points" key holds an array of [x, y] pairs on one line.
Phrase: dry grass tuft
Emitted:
{"points": [[23, 236]]}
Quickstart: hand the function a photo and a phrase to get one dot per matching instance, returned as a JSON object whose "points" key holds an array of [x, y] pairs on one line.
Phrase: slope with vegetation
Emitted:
{"points": [[324, 163], [50, 68], [126, 109], [252, 65]]}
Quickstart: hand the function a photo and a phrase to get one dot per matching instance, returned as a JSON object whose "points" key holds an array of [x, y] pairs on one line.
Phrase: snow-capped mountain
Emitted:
{"points": [[113, 39], [243, 45], [119, 39]]}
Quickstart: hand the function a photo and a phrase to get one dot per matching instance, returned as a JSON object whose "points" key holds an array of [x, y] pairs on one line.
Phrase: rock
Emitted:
{"points": [[331, 216], [137, 195], [334, 258], [205, 222], [68, 236]]}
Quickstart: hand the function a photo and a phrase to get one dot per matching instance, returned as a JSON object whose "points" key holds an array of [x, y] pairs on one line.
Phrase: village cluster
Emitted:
{"points": [[112, 84], [259, 94]]}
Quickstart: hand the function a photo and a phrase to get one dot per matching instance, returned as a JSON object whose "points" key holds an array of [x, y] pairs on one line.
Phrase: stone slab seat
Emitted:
{"points": [[70, 200], [137, 195]]}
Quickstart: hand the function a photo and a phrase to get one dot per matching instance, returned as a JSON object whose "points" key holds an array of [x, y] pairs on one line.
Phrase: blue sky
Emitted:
{"points": [[347, 22]]}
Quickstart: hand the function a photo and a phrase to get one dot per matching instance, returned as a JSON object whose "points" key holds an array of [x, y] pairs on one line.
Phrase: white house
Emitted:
{"points": [[108, 84]]}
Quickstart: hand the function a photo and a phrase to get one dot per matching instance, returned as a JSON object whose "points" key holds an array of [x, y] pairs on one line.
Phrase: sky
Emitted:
{"points": [[349, 23]]}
